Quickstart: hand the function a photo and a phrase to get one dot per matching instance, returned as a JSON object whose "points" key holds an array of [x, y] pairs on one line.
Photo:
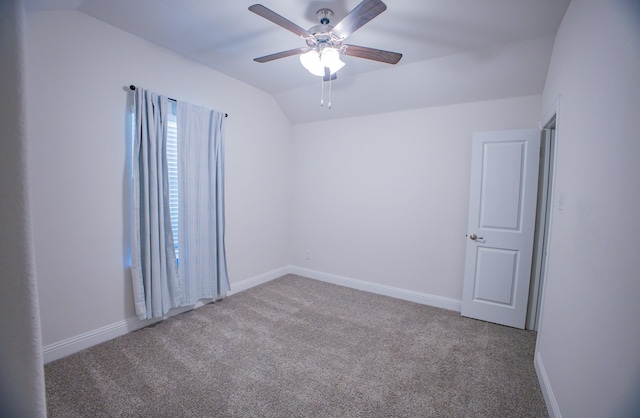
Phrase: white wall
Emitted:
{"points": [[78, 70], [384, 198], [21, 371], [588, 351]]}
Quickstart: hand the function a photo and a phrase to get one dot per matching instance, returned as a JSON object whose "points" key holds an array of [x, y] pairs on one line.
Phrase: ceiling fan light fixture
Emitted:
{"points": [[311, 61], [330, 57], [315, 61]]}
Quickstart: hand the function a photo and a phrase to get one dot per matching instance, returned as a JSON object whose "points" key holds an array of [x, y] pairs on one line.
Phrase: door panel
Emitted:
{"points": [[500, 195], [501, 224], [496, 273]]}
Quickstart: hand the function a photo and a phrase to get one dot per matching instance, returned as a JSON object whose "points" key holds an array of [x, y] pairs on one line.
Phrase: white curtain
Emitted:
{"points": [[160, 281], [153, 261], [202, 266]]}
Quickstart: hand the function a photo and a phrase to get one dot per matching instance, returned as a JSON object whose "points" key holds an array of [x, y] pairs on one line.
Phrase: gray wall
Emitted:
{"points": [[21, 373], [588, 351], [384, 198], [78, 73]]}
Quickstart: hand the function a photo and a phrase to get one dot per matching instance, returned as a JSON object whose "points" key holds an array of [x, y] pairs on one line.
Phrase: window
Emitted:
{"points": [[172, 165]]}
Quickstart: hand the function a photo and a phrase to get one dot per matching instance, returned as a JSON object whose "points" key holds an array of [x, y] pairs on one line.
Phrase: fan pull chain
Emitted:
{"points": [[322, 92], [329, 92]]}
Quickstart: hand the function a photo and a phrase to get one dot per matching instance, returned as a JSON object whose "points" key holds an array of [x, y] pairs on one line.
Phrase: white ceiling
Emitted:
{"points": [[454, 51]]}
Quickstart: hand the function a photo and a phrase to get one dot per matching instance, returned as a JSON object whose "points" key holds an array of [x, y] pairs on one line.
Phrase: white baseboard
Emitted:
{"points": [[257, 280], [380, 289], [545, 386], [80, 342]]}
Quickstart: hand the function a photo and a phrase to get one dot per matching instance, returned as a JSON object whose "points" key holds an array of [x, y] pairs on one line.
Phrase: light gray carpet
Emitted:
{"points": [[296, 347]]}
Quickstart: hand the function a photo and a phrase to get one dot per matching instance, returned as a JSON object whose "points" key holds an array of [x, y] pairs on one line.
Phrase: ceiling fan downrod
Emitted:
{"points": [[324, 15]]}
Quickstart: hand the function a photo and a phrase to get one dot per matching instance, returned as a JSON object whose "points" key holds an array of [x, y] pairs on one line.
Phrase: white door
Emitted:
{"points": [[501, 224]]}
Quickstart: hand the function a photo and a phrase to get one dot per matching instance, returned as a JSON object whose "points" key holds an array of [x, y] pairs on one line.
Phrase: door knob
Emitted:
{"points": [[474, 237]]}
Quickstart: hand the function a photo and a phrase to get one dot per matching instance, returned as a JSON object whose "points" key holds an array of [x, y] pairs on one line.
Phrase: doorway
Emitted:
{"points": [[501, 225], [543, 225]]}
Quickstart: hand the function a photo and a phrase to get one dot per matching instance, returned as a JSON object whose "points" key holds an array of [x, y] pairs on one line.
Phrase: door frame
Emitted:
{"points": [[542, 235]]}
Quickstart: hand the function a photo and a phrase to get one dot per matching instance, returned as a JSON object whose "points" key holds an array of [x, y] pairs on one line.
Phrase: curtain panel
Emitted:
{"points": [[156, 287], [202, 266], [160, 281]]}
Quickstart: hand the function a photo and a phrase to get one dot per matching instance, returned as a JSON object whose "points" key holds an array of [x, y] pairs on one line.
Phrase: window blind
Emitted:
{"points": [[172, 165]]}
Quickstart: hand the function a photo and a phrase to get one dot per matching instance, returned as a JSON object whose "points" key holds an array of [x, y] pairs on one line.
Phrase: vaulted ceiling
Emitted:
{"points": [[454, 51]]}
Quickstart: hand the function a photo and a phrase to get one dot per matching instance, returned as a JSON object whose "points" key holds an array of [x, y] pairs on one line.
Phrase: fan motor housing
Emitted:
{"points": [[322, 35]]}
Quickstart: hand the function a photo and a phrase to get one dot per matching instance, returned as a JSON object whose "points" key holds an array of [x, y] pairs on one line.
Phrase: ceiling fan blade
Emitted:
{"points": [[269, 14], [363, 13], [282, 54], [371, 53]]}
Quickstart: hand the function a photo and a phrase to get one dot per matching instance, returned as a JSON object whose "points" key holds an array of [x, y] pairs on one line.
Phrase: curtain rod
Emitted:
{"points": [[132, 87]]}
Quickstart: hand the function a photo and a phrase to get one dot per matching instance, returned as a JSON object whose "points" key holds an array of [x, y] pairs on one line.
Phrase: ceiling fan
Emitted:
{"points": [[324, 42]]}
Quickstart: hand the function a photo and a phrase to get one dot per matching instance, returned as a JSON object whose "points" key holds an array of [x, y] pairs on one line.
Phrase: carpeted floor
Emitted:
{"points": [[296, 347]]}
